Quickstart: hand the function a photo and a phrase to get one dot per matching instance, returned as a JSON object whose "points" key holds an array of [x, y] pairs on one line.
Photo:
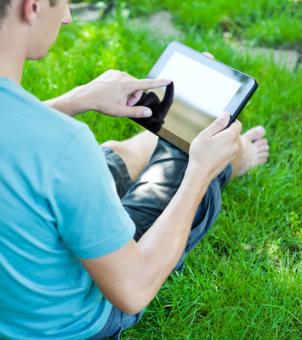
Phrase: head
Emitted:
{"points": [[32, 24]]}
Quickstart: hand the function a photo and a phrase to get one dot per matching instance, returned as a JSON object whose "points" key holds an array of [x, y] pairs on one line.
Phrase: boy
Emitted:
{"points": [[88, 235]]}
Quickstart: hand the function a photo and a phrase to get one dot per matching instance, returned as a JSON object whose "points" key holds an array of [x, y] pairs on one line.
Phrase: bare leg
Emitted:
{"points": [[253, 151], [135, 152]]}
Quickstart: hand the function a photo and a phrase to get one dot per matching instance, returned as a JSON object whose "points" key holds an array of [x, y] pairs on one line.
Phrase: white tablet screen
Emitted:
{"points": [[198, 85], [200, 95]]}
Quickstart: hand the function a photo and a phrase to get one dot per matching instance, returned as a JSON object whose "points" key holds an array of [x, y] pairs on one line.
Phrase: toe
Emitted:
{"points": [[261, 142], [264, 147], [263, 155], [255, 133]]}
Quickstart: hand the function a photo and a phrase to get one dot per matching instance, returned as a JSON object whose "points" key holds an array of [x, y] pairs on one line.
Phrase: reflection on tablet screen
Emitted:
{"points": [[201, 94]]}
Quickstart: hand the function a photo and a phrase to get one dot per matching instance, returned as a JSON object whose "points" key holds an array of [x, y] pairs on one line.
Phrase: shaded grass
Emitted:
{"points": [[243, 281]]}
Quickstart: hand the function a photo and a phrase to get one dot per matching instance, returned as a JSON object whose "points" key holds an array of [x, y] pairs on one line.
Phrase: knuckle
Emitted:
{"points": [[232, 134], [235, 131], [238, 125], [220, 124], [135, 114], [126, 85], [236, 148]]}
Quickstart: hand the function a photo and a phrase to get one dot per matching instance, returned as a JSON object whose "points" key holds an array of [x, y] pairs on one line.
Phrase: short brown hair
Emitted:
{"points": [[4, 4], [3, 8]]}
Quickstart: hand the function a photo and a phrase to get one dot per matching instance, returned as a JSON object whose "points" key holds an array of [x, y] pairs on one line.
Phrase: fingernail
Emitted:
{"points": [[147, 113], [225, 115], [166, 81]]}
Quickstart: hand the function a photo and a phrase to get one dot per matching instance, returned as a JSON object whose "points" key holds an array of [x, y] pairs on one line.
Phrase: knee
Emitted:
{"points": [[122, 149], [112, 144]]}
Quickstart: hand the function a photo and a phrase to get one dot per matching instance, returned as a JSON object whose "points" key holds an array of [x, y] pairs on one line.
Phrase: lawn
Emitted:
{"points": [[244, 279]]}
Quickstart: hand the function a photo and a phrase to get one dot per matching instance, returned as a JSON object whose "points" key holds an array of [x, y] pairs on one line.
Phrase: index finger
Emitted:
{"points": [[146, 84]]}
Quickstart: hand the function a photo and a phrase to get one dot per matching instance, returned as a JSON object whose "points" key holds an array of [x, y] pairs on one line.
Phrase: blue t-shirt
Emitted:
{"points": [[58, 204]]}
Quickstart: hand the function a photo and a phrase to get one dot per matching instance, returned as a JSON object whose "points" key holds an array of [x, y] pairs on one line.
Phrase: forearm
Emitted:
{"points": [[131, 276], [164, 243], [69, 103]]}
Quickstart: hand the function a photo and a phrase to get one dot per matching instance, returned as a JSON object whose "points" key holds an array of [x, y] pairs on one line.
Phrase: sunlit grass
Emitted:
{"points": [[270, 22]]}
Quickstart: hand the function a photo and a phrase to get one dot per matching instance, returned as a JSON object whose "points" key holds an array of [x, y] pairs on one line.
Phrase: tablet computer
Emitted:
{"points": [[202, 89]]}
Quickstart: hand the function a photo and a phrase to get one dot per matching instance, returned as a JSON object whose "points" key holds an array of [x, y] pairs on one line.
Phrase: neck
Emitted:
{"points": [[12, 55], [11, 70]]}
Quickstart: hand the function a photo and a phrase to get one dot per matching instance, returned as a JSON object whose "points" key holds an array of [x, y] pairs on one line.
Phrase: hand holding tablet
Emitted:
{"points": [[202, 90]]}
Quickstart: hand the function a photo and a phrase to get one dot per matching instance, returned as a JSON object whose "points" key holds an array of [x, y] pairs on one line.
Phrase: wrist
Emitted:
{"points": [[69, 103], [76, 101], [199, 177]]}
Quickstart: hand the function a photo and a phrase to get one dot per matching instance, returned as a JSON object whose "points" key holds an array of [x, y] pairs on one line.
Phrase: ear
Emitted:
{"points": [[30, 10]]}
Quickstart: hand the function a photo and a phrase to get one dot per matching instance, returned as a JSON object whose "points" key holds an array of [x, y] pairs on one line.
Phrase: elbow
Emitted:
{"points": [[130, 309], [133, 303]]}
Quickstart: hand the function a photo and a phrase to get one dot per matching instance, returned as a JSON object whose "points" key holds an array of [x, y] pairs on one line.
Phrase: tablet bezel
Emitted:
{"points": [[247, 89]]}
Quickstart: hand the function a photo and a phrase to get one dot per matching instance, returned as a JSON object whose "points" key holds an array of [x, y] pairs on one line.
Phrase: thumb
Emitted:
{"points": [[135, 98], [218, 125], [135, 111], [208, 54]]}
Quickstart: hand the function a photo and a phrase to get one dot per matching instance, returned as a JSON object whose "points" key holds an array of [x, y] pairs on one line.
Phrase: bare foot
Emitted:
{"points": [[255, 150]]}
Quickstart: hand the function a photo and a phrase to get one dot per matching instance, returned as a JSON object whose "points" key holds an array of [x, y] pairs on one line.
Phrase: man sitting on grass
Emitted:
{"points": [[89, 234]]}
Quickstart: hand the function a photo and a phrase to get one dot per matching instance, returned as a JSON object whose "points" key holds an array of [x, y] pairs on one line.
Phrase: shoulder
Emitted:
{"points": [[21, 101], [37, 137], [29, 119]]}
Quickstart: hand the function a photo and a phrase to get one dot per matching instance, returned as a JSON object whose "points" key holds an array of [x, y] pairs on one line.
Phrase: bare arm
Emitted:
{"points": [[114, 93], [138, 270], [131, 277]]}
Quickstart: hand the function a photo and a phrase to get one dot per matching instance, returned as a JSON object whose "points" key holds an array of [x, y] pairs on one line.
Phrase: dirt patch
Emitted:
{"points": [[286, 58]]}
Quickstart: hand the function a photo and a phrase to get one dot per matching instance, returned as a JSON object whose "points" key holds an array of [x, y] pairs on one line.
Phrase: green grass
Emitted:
{"points": [[273, 22], [244, 279]]}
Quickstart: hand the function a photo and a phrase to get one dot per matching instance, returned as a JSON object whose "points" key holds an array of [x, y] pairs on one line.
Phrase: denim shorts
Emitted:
{"points": [[147, 197]]}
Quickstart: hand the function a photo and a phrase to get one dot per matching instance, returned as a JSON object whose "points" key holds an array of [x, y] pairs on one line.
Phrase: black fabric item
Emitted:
{"points": [[159, 109]]}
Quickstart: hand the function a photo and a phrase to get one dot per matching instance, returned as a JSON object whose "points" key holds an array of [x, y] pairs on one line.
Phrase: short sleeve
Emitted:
{"points": [[90, 217]]}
